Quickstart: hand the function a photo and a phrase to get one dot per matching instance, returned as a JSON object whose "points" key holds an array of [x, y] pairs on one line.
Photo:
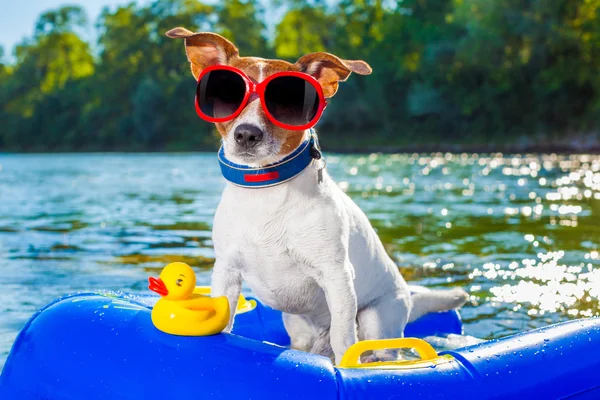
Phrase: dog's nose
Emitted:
{"points": [[247, 135]]}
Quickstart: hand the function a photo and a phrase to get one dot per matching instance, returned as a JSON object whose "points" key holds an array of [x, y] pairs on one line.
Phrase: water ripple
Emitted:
{"points": [[520, 232]]}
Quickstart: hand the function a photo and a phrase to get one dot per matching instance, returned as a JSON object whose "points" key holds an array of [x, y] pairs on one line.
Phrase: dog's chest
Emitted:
{"points": [[257, 230], [271, 270], [279, 280]]}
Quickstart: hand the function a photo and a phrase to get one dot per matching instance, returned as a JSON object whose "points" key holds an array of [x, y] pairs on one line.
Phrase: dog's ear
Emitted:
{"points": [[329, 69], [204, 48]]}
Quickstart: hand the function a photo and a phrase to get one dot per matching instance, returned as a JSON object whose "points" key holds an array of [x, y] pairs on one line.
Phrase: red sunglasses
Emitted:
{"points": [[291, 100]]}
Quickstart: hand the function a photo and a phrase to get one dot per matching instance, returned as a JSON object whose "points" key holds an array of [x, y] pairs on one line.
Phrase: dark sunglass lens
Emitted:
{"points": [[292, 100], [220, 93]]}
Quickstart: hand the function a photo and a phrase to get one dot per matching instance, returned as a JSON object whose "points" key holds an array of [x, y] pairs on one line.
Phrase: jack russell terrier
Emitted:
{"points": [[283, 225]]}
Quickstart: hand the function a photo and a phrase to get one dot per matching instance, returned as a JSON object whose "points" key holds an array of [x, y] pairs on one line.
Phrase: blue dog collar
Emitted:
{"points": [[273, 174]]}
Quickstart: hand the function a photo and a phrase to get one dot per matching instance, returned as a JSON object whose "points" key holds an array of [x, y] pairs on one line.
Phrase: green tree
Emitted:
{"points": [[444, 71], [148, 124], [45, 65], [143, 60], [530, 58], [304, 30], [4, 68], [241, 22], [61, 20]]}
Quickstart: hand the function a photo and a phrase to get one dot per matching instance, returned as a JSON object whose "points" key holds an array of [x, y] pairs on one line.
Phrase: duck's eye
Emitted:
{"points": [[178, 282]]}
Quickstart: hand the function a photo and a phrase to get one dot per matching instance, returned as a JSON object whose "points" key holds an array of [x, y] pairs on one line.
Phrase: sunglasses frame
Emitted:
{"points": [[259, 89]]}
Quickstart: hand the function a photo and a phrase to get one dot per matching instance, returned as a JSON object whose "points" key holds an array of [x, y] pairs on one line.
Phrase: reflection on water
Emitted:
{"points": [[520, 233]]}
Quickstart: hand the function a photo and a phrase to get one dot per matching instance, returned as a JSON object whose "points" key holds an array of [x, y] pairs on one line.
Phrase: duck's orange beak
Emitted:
{"points": [[158, 286]]}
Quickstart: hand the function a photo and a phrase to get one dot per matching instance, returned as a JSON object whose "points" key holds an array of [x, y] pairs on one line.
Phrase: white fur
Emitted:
{"points": [[306, 249], [264, 154]]}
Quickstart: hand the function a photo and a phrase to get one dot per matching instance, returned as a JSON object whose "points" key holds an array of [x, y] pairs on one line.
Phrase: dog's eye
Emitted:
{"points": [[178, 282]]}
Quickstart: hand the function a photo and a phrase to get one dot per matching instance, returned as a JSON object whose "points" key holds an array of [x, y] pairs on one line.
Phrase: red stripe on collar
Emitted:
{"points": [[268, 176]]}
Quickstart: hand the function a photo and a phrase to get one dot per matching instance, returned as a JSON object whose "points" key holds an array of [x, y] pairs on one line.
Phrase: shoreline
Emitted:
{"points": [[574, 143], [417, 148]]}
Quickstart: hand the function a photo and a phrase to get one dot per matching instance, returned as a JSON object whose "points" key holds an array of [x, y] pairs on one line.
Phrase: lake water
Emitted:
{"points": [[520, 233]]}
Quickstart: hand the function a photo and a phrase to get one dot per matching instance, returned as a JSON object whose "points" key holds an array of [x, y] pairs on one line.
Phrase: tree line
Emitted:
{"points": [[444, 72]]}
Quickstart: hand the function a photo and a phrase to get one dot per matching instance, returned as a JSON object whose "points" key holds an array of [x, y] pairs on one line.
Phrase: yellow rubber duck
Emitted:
{"points": [[181, 311]]}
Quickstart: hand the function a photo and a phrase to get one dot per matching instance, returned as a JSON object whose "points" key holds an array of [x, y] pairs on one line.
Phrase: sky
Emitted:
{"points": [[17, 17]]}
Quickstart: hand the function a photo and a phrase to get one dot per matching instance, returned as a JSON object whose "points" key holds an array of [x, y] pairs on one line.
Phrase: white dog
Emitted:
{"points": [[300, 244]]}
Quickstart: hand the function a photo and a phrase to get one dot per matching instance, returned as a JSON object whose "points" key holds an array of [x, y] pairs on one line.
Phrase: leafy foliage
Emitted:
{"points": [[457, 71]]}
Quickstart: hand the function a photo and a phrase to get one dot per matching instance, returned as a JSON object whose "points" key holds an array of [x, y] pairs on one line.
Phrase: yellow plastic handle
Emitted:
{"points": [[351, 358]]}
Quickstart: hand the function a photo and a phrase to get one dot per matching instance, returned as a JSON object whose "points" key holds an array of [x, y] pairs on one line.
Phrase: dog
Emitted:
{"points": [[302, 246]]}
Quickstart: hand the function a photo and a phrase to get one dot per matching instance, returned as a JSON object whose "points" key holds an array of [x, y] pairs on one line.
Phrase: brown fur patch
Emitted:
{"points": [[252, 66], [329, 70], [204, 49]]}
